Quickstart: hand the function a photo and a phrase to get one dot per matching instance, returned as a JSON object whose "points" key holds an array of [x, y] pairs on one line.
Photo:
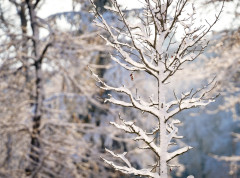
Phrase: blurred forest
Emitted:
{"points": [[53, 119]]}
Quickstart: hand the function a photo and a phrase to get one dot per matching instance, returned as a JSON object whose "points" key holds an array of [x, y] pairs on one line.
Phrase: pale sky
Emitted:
{"points": [[130, 4], [55, 6]]}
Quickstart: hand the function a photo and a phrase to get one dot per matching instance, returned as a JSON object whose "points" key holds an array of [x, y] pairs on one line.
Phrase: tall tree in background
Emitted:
{"points": [[225, 64], [37, 54], [32, 51], [146, 47], [48, 127]]}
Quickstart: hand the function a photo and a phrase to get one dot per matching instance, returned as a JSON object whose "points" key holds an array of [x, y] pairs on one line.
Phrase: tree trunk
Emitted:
{"points": [[35, 151], [162, 126]]}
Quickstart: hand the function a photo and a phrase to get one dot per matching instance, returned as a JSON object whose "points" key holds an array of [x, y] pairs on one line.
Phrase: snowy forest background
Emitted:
{"points": [[53, 118]]}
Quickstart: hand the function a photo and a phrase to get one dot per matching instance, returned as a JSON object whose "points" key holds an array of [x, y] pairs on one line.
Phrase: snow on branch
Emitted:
{"points": [[189, 100], [132, 170], [227, 158], [121, 156], [173, 130], [118, 44], [141, 105], [130, 127], [192, 44], [178, 152]]}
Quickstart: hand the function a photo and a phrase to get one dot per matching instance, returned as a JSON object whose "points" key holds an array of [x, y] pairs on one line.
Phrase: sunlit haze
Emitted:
{"points": [[64, 5]]}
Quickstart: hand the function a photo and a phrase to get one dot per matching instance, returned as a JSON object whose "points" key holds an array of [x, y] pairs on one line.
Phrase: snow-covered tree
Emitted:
{"points": [[147, 46], [50, 118]]}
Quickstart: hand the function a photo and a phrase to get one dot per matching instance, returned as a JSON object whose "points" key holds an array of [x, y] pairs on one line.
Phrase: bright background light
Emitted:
{"points": [[55, 6], [130, 4]]}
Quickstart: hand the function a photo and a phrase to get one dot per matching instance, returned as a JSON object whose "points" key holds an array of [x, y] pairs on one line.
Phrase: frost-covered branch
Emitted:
{"points": [[189, 100], [130, 127], [132, 170], [141, 105], [227, 158], [117, 44], [173, 130]]}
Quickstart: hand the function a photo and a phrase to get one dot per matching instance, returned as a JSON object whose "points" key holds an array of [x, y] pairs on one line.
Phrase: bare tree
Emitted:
{"points": [[29, 53], [49, 111], [146, 47]]}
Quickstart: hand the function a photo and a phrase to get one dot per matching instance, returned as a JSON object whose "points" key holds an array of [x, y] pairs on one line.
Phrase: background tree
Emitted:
{"points": [[51, 121], [225, 64]]}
